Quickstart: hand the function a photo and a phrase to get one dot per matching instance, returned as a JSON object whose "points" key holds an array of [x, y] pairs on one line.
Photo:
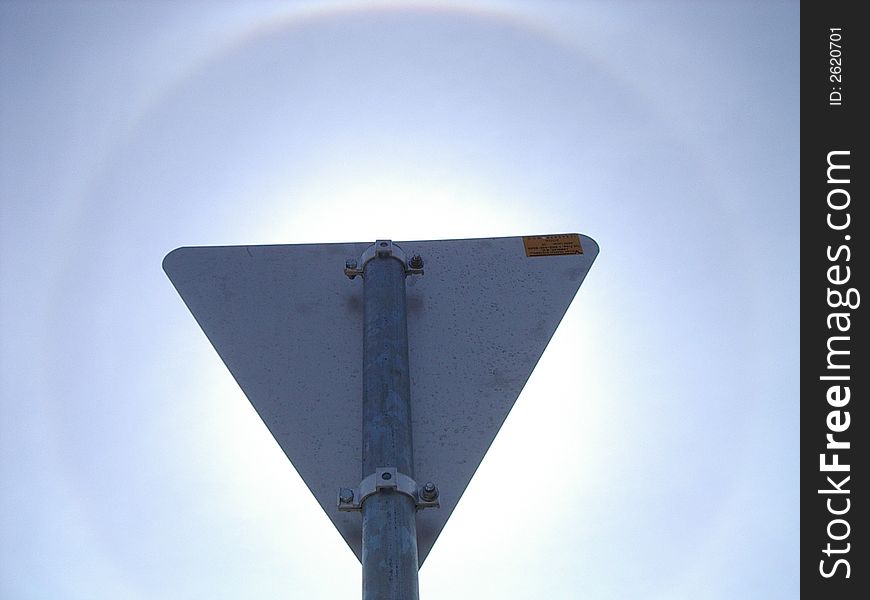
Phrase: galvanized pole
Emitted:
{"points": [[389, 534]]}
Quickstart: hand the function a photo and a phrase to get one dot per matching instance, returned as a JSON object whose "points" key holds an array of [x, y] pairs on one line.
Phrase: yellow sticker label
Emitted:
{"points": [[552, 245]]}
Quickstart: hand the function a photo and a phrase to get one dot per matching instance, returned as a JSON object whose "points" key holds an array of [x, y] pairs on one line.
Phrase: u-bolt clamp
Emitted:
{"points": [[383, 249], [388, 479]]}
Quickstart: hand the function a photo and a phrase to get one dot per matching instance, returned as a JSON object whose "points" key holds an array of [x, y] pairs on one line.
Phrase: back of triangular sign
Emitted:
{"points": [[287, 322]]}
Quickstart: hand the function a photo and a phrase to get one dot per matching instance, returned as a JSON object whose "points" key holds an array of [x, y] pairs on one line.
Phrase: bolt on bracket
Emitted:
{"points": [[388, 479], [383, 249]]}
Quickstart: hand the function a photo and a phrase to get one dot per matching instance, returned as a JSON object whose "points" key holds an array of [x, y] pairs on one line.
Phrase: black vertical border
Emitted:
{"points": [[827, 127]]}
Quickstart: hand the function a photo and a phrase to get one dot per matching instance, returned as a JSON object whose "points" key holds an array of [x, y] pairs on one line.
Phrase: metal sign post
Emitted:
{"points": [[389, 531]]}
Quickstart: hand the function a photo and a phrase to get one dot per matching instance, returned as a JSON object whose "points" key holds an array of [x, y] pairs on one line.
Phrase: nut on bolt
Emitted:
{"points": [[429, 492], [350, 268], [345, 496], [416, 262]]}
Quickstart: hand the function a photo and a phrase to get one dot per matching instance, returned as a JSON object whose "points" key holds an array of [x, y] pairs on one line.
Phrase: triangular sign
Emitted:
{"points": [[287, 322]]}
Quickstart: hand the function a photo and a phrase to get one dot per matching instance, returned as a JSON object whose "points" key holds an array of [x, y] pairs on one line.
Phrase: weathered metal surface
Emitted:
{"points": [[289, 326], [389, 532]]}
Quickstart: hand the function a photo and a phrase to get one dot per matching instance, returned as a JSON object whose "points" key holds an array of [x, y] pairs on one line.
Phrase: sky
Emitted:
{"points": [[653, 452]]}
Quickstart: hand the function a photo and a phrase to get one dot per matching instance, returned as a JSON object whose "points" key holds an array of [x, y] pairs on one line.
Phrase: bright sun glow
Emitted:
{"points": [[372, 202]]}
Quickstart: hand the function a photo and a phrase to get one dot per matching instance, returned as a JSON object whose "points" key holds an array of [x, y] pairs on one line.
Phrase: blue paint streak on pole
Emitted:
{"points": [[389, 532]]}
